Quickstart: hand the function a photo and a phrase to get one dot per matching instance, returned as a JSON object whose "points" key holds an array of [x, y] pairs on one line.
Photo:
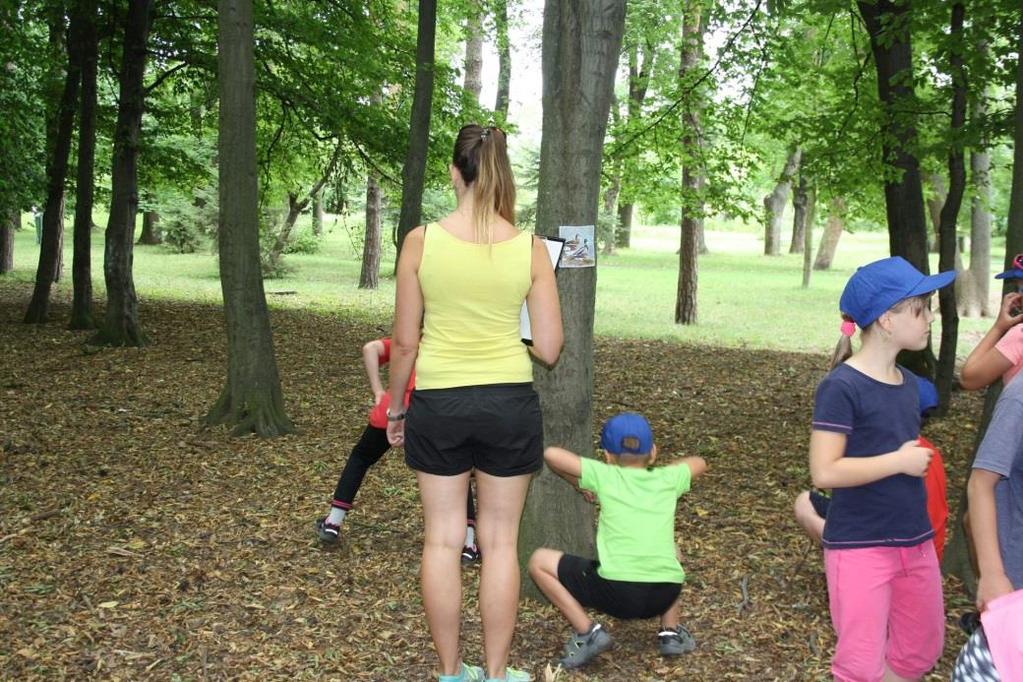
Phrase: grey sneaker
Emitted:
{"points": [[675, 642], [327, 532], [581, 649]]}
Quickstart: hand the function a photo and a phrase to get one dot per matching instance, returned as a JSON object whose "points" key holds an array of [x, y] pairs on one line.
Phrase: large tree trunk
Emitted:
{"points": [[832, 233], [774, 203], [623, 232], [81, 268], [888, 24], [950, 212], [580, 53], [474, 51], [150, 235], [973, 288], [121, 327], [935, 200], [800, 199], [413, 173], [318, 213], [692, 209], [49, 266], [369, 277], [503, 59], [7, 228], [251, 400], [957, 561]]}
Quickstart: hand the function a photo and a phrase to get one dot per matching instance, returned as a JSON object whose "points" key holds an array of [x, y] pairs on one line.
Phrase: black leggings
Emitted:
{"points": [[371, 447]]}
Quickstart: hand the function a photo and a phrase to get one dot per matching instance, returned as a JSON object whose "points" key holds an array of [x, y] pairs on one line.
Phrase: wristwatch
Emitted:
{"points": [[395, 417]]}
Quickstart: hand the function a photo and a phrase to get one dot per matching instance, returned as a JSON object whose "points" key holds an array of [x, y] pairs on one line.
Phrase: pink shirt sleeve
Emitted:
{"points": [[1011, 346]]}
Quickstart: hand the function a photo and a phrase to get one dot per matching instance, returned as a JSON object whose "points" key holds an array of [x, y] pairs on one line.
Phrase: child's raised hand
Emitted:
{"points": [[1011, 311], [914, 459]]}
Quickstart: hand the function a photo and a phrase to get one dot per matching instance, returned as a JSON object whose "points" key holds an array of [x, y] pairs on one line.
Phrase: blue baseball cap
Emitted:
{"points": [[627, 433], [1016, 271], [928, 394], [877, 286]]}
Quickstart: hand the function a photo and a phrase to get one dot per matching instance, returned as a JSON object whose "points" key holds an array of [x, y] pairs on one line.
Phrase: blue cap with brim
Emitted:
{"points": [[1016, 271], [877, 286], [627, 433]]}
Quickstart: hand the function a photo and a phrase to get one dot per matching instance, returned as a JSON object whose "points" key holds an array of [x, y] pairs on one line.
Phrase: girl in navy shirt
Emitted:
{"points": [[884, 585]]}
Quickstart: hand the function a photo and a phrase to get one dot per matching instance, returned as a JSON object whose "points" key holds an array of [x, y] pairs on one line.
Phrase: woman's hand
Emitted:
{"points": [[396, 433]]}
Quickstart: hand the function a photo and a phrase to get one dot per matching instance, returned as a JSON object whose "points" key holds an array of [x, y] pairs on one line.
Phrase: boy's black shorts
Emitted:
{"points": [[496, 429], [618, 598]]}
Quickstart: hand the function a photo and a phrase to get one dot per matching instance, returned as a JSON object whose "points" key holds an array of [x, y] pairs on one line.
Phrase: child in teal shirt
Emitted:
{"points": [[636, 573]]}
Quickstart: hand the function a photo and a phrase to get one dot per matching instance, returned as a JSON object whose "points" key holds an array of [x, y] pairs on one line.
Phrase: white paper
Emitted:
{"points": [[554, 248]]}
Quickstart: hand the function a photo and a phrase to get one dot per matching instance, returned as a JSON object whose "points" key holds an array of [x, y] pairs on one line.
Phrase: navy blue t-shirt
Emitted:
{"points": [[877, 418]]}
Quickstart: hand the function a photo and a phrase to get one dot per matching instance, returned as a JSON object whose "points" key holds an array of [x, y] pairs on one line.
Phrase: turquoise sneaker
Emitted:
{"points": [[469, 673], [512, 675]]}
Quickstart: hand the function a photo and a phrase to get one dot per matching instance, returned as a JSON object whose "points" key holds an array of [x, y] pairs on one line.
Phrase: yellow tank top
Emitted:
{"points": [[472, 295]]}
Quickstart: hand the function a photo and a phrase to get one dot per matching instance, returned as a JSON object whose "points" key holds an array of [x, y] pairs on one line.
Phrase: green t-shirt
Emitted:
{"points": [[636, 529]]}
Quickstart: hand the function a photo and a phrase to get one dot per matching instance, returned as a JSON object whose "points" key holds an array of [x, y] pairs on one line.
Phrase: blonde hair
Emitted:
{"points": [[481, 156], [843, 349]]}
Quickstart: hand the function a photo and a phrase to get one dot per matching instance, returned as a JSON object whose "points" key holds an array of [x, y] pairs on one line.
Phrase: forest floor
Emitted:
{"points": [[135, 544]]}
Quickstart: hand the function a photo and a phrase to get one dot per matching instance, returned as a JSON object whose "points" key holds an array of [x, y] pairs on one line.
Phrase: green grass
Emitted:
{"points": [[745, 299]]}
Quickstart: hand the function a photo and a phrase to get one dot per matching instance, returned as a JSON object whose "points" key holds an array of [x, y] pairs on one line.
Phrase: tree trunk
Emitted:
{"points": [[799, 204], [251, 400], [121, 327], [81, 267], [692, 209], [474, 51], [832, 233], [580, 54], [369, 277], [48, 270], [935, 200], [503, 59], [318, 213], [974, 285], [413, 173], [950, 212], [957, 557], [150, 229], [774, 203], [808, 237], [8, 226], [623, 233], [888, 24], [295, 208], [611, 209]]}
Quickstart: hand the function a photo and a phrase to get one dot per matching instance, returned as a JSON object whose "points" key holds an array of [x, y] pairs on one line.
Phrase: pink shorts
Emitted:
{"points": [[887, 609]]}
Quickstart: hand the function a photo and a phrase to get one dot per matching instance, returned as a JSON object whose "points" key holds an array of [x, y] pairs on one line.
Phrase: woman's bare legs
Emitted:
{"points": [[499, 509], [444, 520]]}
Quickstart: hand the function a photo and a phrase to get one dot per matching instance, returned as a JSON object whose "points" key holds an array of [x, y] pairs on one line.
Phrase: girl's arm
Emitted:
{"points": [[371, 354], [408, 313], [830, 468], [564, 463], [544, 308], [980, 492], [986, 363]]}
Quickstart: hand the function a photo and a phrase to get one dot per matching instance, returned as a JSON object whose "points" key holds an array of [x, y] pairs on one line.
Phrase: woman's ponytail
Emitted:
{"points": [[481, 156]]}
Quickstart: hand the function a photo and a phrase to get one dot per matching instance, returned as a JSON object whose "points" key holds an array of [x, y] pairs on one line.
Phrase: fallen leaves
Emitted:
{"points": [[136, 545]]}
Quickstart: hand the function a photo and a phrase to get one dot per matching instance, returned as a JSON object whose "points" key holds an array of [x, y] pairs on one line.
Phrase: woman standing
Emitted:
{"points": [[474, 409]]}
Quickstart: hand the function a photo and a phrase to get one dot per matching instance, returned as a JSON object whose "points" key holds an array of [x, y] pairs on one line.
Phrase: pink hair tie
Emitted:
{"points": [[848, 328]]}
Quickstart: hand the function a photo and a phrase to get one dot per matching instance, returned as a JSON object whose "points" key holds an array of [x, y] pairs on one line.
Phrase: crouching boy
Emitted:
{"points": [[636, 573]]}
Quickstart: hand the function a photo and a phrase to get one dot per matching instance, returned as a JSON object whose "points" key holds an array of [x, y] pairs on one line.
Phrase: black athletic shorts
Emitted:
{"points": [[496, 429], [618, 598]]}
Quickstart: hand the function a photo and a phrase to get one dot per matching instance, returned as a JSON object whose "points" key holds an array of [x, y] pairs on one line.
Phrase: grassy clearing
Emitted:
{"points": [[745, 299]]}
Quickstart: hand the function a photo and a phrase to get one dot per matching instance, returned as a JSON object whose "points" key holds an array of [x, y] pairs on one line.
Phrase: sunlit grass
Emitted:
{"points": [[745, 299]]}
